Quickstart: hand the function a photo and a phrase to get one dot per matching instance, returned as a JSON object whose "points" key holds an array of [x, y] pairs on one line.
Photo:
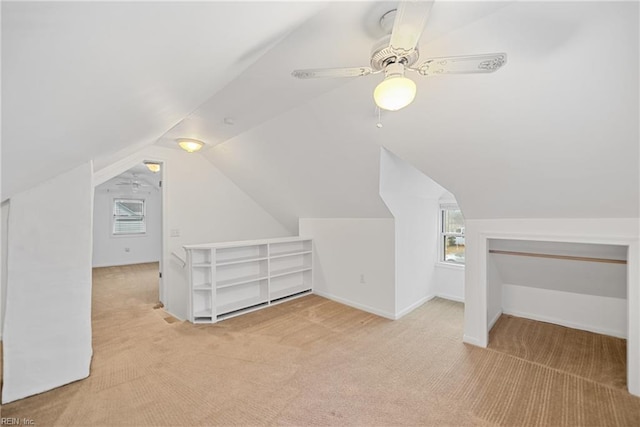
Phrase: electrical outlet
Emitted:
{"points": [[175, 232], [362, 279]]}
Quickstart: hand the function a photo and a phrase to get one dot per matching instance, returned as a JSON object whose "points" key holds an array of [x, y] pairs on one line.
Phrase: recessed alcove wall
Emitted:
{"points": [[578, 285]]}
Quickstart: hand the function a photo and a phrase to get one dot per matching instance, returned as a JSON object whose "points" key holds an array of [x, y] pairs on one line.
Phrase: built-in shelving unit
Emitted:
{"points": [[232, 278]]}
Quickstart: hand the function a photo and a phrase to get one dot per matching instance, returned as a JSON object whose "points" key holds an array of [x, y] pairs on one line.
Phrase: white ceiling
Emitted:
{"points": [[84, 79], [552, 134]]}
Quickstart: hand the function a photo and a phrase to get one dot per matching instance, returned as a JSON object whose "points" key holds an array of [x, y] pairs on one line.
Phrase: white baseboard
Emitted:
{"points": [[598, 314], [568, 324], [414, 306], [450, 297], [473, 341], [494, 320], [355, 304]]}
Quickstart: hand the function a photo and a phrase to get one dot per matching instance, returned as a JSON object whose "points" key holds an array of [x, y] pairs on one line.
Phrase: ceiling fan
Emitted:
{"points": [[398, 52], [135, 183]]}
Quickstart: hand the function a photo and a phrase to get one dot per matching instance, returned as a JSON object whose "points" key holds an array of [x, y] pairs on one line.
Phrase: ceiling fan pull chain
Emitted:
{"points": [[379, 124]]}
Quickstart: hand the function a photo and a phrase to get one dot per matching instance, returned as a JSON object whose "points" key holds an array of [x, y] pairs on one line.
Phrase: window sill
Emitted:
{"points": [[451, 265], [128, 236]]}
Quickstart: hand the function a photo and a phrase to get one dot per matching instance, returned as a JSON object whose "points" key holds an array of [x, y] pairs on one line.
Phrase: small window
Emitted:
{"points": [[452, 234], [128, 217]]}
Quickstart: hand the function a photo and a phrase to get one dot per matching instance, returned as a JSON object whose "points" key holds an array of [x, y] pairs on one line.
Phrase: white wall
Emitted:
{"points": [[494, 292], [4, 212], [47, 333], [110, 250], [201, 206], [603, 315], [412, 198], [590, 278], [449, 281], [354, 261], [610, 231]]}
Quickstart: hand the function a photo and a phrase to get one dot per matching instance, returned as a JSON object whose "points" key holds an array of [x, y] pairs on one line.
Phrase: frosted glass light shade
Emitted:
{"points": [[190, 145], [394, 92], [153, 167]]}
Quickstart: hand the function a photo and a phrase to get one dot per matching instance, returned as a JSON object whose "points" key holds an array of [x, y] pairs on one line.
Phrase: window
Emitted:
{"points": [[128, 217], [451, 234]]}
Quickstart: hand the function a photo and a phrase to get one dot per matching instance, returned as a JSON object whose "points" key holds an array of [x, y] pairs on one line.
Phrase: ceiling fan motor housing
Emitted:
{"points": [[382, 55]]}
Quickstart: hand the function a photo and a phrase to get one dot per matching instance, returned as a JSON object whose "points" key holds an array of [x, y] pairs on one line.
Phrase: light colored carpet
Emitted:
{"points": [[310, 361], [595, 357]]}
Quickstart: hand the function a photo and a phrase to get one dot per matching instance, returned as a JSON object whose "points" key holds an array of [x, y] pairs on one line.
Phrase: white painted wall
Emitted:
{"points": [[448, 281], [110, 250], [201, 206], [589, 278], [350, 251], [4, 213], [494, 292], [47, 334], [610, 231], [603, 315], [412, 197]]}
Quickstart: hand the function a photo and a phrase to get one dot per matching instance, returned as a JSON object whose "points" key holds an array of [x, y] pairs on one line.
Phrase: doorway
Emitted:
{"points": [[127, 221]]}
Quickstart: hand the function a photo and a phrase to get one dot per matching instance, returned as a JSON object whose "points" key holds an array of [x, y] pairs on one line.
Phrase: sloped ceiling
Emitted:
{"points": [[552, 134], [84, 79]]}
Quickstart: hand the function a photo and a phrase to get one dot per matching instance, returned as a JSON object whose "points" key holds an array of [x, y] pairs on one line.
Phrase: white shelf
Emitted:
{"points": [[229, 279], [289, 291], [203, 313], [287, 271], [226, 245], [290, 253], [240, 281], [239, 305], [240, 261]]}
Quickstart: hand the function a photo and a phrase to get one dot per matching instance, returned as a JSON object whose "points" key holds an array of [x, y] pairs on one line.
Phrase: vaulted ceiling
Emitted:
{"points": [[84, 79], [554, 133]]}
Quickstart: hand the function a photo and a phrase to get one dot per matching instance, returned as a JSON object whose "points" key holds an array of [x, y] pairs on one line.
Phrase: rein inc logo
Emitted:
{"points": [[17, 422]]}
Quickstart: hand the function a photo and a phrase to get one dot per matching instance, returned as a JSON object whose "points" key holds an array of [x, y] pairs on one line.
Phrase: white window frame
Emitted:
{"points": [[114, 217], [442, 235]]}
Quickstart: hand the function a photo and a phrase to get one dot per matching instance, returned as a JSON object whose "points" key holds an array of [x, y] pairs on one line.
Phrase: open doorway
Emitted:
{"points": [[127, 225]]}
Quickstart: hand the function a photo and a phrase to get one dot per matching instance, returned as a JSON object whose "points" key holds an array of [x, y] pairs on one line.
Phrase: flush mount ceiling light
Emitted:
{"points": [[395, 91], [190, 145], [153, 166]]}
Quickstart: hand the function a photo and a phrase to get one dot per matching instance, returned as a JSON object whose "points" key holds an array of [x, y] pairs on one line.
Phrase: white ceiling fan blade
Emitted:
{"points": [[408, 25], [467, 64], [314, 73]]}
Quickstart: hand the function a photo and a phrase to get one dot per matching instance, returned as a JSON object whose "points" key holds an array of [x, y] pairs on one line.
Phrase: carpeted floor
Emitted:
{"points": [[311, 361], [596, 357]]}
